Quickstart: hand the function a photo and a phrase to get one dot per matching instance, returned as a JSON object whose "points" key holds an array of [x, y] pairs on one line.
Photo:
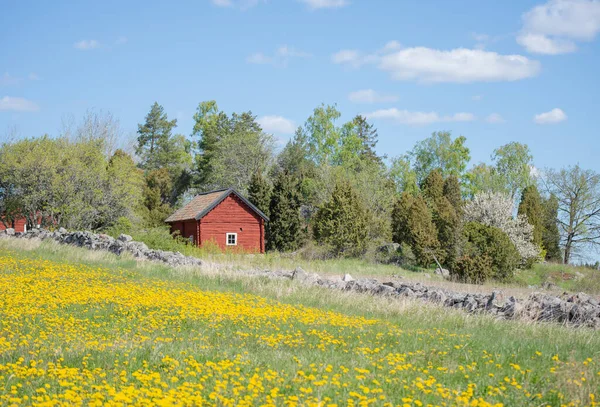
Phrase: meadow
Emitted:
{"points": [[88, 328]]}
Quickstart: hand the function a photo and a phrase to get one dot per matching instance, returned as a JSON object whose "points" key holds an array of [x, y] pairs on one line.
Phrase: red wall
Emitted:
{"points": [[232, 215], [19, 225], [187, 229]]}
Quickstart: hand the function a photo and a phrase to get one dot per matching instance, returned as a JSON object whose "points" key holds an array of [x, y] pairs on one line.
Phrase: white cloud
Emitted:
{"points": [[281, 57], [276, 124], [86, 45], [33, 77], [418, 118], [477, 98], [541, 44], [495, 118], [553, 27], [17, 104], [458, 65], [555, 115], [317, 4], [371, 96], [7, 79]]}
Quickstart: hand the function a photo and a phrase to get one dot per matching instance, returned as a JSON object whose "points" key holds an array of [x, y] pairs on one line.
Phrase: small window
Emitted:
{"points": [[231, 239]]}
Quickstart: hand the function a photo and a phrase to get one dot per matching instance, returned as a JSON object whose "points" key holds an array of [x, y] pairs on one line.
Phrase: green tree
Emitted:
{"points": [[126, 184], [404, 177], [550, 234], [483, 240], [342, 222], [357, 143], [484, 178], [445, 219], [452, 192], [157, 196], [440, 151], [259, 193], [154, 142], [285, 227], [513, 163], [322, 134], [531, 207], [231, 149], [412, 224]]}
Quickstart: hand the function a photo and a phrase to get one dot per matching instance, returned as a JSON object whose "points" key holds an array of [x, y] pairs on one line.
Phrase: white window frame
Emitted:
{"points": [[227, 239]]}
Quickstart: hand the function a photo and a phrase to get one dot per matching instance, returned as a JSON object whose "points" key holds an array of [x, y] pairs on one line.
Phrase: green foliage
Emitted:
{"points": [[531, 207], [433, 187], [440, 151], [156, 146], [231, 149], [412, 224], [452, 192], [484, 178], [493, 242], [404, 177], [513, 162], [474, 269], [550, 233], [342, 222], [357, 145], [259, 193], [69, 183], [157, 196], [285, 227], [445, 218], [322, 134]]}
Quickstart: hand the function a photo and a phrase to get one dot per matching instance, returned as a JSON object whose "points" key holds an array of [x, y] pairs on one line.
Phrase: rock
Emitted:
{"points": [[388, 248], [406, 292], [437, 296], [442, 272], [298, 274], [549, 285], [384, 290], [125, 238], [10, 232], [362, 285], [347, 277], [62, 231]]}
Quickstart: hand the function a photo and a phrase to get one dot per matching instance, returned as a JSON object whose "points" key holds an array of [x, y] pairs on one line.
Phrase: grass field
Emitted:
{"points": [[88, 328]]}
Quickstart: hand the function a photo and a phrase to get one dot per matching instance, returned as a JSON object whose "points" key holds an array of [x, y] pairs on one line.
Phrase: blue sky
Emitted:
{"points": [[492, 71]]}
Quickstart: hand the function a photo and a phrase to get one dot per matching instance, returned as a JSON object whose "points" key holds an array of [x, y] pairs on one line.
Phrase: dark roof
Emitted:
{"points": [[203, 203]]}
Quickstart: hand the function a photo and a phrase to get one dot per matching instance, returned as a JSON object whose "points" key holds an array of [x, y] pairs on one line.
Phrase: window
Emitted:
{"points": [[231, 239]]}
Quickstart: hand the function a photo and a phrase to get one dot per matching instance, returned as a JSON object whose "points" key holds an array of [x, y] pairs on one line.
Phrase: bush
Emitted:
{"points": [[342, 222], [473, 269], [493, 242]]}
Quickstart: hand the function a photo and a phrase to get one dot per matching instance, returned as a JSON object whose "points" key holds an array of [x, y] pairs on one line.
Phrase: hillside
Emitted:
{"points": [[83, 327]]}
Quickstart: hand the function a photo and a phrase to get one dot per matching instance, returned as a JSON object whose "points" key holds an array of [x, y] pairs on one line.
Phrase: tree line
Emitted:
{"points": [[327, 187]]}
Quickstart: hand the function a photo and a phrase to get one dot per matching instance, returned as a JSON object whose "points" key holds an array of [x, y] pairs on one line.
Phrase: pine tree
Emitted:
{"points": [[412, 224], [342, 222], [531, 208], [154, 137], [550, 233], [285, 227], [259, 193]]}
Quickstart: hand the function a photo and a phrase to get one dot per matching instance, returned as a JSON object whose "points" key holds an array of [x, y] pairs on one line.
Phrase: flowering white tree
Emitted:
{"points": [[496, 209]]}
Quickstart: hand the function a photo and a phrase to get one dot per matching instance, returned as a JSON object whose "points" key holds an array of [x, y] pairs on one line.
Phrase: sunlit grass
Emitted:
{"points": [[82, 329]]}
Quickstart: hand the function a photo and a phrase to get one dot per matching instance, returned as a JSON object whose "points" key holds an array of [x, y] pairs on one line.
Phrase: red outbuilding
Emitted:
{"points": [[223, 217], [19, 225]]}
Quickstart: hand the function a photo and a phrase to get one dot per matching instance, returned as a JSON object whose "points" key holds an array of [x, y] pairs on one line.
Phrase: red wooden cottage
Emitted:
{"points": [[19, 225], [224, 217]]}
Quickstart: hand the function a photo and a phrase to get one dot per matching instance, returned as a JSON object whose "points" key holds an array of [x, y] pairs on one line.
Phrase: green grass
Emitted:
{"points": [[401, 344]]}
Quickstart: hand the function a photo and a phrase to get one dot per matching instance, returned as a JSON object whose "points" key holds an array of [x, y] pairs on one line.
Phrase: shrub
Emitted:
{"points": [[473, 269], [493, 242], [412, 224], [342, 222], [496, 209]]}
